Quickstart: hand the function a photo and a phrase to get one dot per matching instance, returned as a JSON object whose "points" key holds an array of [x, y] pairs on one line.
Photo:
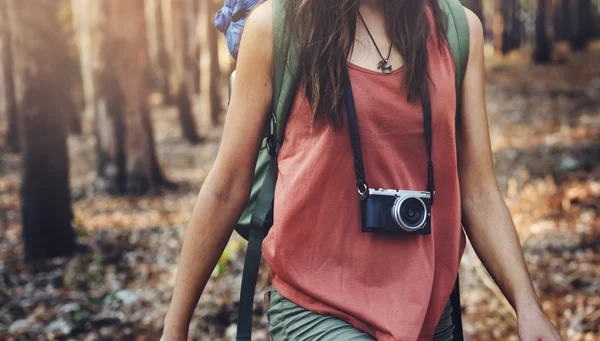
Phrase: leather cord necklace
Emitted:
{"points": [[383, 63]]}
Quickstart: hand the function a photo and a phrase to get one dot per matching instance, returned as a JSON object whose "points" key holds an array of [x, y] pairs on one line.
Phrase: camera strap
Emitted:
{"points": [[361, 181]]}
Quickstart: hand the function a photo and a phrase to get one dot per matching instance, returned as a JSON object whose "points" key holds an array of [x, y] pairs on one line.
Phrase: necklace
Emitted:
{"points": [[383, 63]]}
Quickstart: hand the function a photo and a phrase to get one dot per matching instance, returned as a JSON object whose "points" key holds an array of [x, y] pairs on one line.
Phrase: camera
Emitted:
{"points": [[397, 211]]}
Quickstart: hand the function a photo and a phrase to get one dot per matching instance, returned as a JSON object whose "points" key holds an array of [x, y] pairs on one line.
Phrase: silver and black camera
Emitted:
{"points": [[397, 211]]}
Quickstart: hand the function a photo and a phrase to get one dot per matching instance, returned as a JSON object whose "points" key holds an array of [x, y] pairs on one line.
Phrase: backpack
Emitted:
{"points": [[230, 20], [257, 216]]}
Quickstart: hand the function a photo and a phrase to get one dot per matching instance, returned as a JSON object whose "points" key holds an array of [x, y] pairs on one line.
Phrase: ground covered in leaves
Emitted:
{"points": [[545, 132]]}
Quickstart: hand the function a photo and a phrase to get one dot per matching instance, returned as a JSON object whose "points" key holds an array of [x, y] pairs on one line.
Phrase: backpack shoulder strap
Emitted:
{"points": [[285, 79], [457, 34], [285, 67]]}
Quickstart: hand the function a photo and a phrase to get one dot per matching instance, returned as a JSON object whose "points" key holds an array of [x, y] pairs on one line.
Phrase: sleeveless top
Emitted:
{"points": [[393, 287]]}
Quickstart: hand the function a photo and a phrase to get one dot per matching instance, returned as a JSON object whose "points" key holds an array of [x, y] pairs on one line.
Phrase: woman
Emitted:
{"points": [[331, 280]]}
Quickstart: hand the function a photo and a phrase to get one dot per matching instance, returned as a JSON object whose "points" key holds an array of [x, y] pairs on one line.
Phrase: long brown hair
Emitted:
{"points": [[325, 31]]}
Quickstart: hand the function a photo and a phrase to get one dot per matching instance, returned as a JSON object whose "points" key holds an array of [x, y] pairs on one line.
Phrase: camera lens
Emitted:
{"points": [[412, 212], [409, 213]]}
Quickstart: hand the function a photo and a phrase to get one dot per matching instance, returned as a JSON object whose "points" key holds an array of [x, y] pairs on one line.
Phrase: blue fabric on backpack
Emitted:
{"points": [[225, 21]]}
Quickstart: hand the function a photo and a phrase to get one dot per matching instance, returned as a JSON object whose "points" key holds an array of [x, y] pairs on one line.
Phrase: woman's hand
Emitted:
{"points": [[535, 326]]}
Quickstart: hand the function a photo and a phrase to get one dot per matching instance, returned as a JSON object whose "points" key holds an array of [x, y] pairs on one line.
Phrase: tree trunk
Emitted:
{"points": [[127, 160], [73, 86], [131, 65], [40, 79], [583, 23], [84, 17], [516, 24], [498, 26], [560, 15], [192, 53], [177, 79], [511, 35], [7, 89], [507, 25], [543, 46], [159, 59], [210, 89]]}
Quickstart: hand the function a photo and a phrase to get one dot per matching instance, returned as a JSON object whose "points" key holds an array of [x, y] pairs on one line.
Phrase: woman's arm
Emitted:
{"points": [[227, 186], [486, 218]]}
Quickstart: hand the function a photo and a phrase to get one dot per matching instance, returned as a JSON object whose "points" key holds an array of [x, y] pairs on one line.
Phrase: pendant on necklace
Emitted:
{"points": [[384, 66]]}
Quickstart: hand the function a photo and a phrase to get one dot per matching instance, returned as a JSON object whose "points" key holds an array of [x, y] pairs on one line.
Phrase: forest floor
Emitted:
{"points": [[545, 132]]}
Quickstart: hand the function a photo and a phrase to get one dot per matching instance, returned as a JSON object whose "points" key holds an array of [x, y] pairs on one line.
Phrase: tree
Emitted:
{"points": [[7, 89], [543, 46], [40, 79], [561, 18], [84, 16], [159, 58], [127, 160], [192, 53], [513, 38], [582, 24], [507, 25], [498, 26], [210, 90], [74, 85], [179, 84]]}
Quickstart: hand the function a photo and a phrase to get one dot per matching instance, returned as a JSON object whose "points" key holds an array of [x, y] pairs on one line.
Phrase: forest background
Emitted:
{"points": [[111, 113]]}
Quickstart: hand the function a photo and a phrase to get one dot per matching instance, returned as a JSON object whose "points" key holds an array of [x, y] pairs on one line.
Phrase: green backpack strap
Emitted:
{"points": [[285, 79], [457, 35]]}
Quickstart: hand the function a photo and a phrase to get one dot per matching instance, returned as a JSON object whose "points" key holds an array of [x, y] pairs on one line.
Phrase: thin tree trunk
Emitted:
{"points": [[498, 26], [511, 35], [560, 22], [7, 91], [516, 24], [186, 116], [84, 16], [192, 48], [40, 79], [583, 25], [177, 77], [159, 59], [73, 81], [543, 46], [507, 26], [210, 89]]}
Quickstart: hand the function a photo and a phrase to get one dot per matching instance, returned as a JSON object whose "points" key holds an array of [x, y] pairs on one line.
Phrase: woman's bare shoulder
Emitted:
{"points": [[475, 30], [259, 25], [256, 46]]}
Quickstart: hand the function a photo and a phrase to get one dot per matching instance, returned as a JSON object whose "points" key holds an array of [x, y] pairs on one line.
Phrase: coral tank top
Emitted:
{"points": [[393, 287]]}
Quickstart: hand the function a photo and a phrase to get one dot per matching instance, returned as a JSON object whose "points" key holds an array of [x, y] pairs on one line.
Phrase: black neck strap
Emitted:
{"points": [[361, 181]]}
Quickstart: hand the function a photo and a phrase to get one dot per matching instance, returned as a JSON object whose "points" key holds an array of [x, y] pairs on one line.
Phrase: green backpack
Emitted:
{"points": [[256, 219]]}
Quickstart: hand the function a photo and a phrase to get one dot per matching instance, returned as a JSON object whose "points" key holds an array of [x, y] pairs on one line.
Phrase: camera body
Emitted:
{"points": [[397, 211]]}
